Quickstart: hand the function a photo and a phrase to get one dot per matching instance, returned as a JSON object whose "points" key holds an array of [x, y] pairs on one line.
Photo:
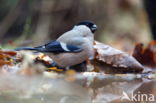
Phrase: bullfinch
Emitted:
{"points": [[72, 47]]}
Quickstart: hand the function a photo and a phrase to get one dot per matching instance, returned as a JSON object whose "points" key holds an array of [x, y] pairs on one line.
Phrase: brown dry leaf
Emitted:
{"points": [[3, 62], [146, 56], [43, 59], [11, 53], [5, 57], [112, 60]]}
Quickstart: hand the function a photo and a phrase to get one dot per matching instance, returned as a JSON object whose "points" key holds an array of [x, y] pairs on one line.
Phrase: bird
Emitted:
{"points": [[72, 47]]}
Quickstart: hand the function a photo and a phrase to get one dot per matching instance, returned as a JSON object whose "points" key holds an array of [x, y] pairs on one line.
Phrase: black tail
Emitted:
{"points": [[26, 48]]}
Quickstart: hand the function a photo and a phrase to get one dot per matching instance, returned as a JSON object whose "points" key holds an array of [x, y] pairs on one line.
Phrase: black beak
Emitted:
{"points": [[94, 28]]}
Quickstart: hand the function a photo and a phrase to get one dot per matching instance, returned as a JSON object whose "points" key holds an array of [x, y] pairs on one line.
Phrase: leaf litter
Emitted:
{"points": [[28, 78]]}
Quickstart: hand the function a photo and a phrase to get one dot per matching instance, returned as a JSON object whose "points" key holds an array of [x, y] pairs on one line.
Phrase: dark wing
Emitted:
{"points": [[55, 47], [58, 47]]}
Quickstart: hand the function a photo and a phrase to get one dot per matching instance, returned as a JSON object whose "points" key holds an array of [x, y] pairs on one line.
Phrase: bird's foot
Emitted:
{"points": [[54, 64], [57, 68], [78, 68], [82, 67]]}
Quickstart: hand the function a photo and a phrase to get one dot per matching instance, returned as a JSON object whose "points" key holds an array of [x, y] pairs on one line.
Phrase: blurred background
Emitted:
{"points": [[121, 23]]}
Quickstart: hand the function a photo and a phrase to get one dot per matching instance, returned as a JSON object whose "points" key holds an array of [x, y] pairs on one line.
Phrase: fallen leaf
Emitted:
{"points": [[11, 53], [5, 57], [146, 56], [112, 60], [2, 62]]}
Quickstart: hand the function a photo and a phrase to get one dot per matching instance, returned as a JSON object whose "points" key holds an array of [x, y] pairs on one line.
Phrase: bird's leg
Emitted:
{"points": [[82, 67]]}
